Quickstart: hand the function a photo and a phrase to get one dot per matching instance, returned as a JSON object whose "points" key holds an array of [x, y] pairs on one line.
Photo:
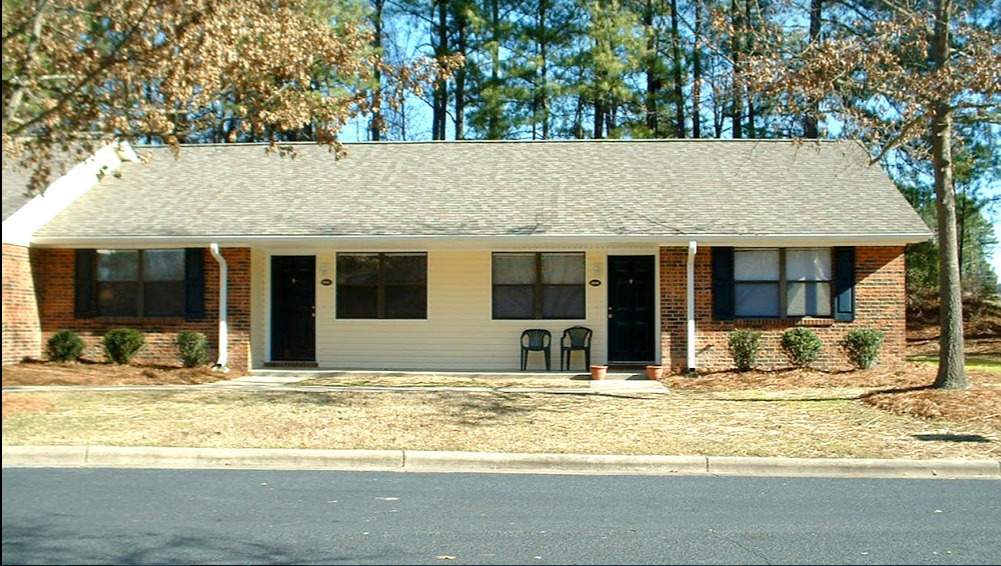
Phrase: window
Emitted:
{"points": [[538, 285], [808, 282], [782, 282], [140, 282], [382, 285]]}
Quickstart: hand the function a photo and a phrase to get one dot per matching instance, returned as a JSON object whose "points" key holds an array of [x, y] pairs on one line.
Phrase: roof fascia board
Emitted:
{"points": [[19, 227], [490, 242]]}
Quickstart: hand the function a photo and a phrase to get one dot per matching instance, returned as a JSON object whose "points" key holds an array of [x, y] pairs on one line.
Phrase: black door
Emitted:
{"points": [[631, 304], [293, 306]]}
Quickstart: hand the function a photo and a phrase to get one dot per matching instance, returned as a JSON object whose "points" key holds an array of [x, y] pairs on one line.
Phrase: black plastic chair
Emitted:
{"points": [[536, 340], [575, 338]]}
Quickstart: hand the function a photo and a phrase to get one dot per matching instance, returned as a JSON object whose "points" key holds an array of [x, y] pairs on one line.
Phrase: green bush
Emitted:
{"points": [[193, 347], [861, 346], [64, 346], [801, 346], [744, 345], [121, 344]]}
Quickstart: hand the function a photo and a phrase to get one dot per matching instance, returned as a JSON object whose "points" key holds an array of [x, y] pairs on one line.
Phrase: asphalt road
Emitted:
{"points": [[162, 516]]}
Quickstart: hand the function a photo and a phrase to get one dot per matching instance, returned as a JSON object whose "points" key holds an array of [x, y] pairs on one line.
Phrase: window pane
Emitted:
{"points": [[562, 268], [563, 301], [514, 301], [757, 299], [163, 298], [117, 265], [406, 268], [808, 299], [808, 265], [355, 301], [163, 265], [513, 269], [406, 301], [118, 298], [756, 265], [358, 269]]}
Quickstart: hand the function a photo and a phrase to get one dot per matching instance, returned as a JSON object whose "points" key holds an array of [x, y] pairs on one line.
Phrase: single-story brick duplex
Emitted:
{"points": [[437, 255]]}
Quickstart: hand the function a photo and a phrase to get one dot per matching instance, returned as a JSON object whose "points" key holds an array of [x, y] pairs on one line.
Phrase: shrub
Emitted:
{"points": [[744, 345], [861, 346], [194, 348], [64, 346], [121, 344], [801, 346]]}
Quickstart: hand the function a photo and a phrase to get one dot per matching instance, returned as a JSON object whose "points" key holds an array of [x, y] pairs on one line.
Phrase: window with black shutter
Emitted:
{"points": [[139, 283], [783, 283]]}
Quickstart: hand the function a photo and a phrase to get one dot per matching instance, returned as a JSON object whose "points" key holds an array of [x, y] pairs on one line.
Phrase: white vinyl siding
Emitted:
{"points": [[458, 333]]}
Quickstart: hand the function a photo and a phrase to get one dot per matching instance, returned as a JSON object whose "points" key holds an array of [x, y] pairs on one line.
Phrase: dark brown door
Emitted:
{"points": [[631, 306], [293, 308]]}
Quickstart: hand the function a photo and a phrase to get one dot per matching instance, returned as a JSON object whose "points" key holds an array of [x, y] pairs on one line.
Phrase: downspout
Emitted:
{"points": [[222, 364], [690, 342]]}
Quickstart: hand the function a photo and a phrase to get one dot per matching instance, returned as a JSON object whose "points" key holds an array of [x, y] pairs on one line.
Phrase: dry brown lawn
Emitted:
{"points": [[875, 414], [887, 412], [100, 373]]}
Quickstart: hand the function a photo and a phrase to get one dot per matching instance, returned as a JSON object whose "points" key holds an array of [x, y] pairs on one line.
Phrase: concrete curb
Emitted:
{"points": [[485, 462]]}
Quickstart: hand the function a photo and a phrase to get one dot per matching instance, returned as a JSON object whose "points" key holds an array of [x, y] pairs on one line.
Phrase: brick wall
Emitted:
{"points": [[879, 303], [22, 336], [56, 292]]}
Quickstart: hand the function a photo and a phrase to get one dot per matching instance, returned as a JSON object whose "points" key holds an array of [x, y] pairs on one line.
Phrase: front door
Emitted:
{"points": [[631, 308], [293, 308]]}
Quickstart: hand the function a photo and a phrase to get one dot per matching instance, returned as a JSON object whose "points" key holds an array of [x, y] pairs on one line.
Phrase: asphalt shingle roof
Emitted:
{"points": [[15, 182], [593, 188]]}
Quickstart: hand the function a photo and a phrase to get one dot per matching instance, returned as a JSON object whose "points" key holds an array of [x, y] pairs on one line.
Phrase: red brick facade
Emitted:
{"points": [[22, 336], [54, 273], [879, 303], [38, 292]]}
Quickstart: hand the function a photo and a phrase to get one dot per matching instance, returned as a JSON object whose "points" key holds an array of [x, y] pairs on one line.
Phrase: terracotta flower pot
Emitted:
{"points": [[654, 372], [598, 372]]}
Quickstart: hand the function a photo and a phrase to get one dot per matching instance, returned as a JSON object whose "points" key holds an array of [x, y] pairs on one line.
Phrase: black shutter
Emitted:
{"points": [[722, 259], [844, 284], [84, 295], [194, 283]]}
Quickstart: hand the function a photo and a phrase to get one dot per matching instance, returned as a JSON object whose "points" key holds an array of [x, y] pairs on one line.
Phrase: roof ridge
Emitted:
{"points": [[589, 141]]}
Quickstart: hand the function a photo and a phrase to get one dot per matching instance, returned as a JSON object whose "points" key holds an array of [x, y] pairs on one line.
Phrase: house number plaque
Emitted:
{"points": [[594, 282], [326, 282]]}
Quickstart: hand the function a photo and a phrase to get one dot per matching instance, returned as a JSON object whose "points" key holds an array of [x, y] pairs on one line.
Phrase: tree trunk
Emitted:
{"points": [[439, 104], [951, 363], [679, 92], [747, 46], [697, 73], [543, 97], [460, 73], [810, 127], [737, 94], [599, 115], [654, 83], [376, 124]]}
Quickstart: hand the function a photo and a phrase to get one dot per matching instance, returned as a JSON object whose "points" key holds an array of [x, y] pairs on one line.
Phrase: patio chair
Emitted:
{"points": [[575, 338], [536, 340]]}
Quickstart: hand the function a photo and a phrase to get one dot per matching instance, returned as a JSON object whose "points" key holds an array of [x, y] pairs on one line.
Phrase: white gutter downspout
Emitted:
{"points": [[222, 364], [690, 342]]}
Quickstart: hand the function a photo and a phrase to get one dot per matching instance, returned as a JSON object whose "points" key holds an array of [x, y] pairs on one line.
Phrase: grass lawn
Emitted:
{"points": [[974, 362], [881, 413]]}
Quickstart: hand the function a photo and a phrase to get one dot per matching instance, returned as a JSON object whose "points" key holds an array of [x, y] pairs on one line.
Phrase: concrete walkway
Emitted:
{"points": [[424, 461], [615, 382]]}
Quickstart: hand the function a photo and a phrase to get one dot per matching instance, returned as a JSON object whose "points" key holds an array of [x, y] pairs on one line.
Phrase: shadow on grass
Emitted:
{"points": [[894, 391], [952, 437]]}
